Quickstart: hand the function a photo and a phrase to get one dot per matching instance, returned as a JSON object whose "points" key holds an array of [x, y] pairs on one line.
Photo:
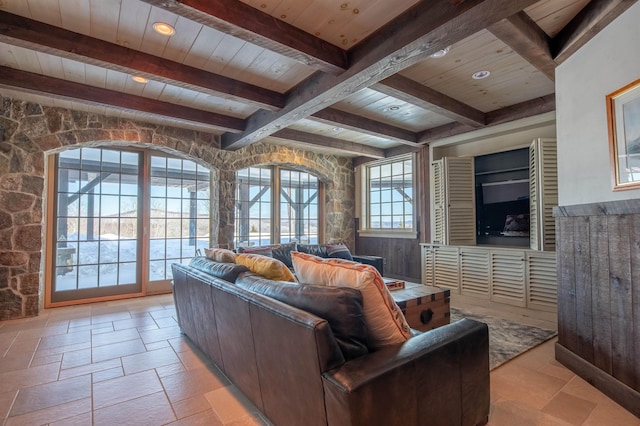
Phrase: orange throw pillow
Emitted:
{"points": [[268, 267], [386, 324]]}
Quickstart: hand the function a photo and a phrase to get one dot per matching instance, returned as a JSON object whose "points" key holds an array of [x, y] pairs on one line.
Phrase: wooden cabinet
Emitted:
{"points": [[453, 189], [517, 277]]}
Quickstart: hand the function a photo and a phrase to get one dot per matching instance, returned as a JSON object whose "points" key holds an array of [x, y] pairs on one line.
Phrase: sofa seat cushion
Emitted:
{"points": [[385, 322], [268, 267], [340, 306], [226, 271]]}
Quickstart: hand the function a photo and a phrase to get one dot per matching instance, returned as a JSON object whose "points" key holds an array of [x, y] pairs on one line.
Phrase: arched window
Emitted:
{"points": [[277, 205], [120, 217]]}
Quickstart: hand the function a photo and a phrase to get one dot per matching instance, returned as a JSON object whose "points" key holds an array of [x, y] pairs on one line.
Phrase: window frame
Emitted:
{"points": [[275, 202], [365, 229]]}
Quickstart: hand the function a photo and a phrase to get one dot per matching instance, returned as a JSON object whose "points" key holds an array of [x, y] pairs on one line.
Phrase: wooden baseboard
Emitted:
{"points": [[609, 385]]}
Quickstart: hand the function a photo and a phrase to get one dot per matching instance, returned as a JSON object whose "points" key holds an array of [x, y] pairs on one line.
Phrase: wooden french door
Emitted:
{"points": [[118, 219]]}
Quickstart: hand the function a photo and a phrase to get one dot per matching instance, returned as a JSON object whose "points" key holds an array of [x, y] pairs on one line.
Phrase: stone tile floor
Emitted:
{"points": [[125, 362]]}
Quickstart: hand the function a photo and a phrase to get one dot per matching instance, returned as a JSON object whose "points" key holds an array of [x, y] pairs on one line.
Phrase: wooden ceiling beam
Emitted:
{"points": [[63, 89], [596, 15], [528, 40], [525, 109], [247, 23], [41, 37], [422, 30], [519, 111], [312, 139], [357, 123], [412, 92]]}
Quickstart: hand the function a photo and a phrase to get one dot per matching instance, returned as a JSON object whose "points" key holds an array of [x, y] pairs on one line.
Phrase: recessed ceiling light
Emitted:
{"points": [[479, 75], [163, 28], [440, 53], [337, 129], [139, 79]]}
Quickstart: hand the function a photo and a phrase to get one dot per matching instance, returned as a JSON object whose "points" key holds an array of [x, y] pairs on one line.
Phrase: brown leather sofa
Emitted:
{"points": [[290, 364]]}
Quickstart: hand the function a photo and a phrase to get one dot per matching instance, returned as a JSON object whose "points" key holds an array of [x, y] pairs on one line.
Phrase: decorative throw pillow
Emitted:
{"points": [[264, 251], [339, 251], [386, 324], [268, 267], [340, 306], [314, 249], [220, 255], [226, 271]]}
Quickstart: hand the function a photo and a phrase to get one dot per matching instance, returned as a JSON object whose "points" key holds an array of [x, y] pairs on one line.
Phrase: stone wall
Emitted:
{"points": [[32, 131]]}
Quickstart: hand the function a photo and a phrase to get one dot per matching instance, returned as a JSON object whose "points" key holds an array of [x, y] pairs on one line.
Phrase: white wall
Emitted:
{"points": [[606, 63], [489, 140]]}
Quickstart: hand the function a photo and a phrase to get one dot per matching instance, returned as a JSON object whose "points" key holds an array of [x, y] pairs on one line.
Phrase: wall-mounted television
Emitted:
{"points": [[505, 191]]}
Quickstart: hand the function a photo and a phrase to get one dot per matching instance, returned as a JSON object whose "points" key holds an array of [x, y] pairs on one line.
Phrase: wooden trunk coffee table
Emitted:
{"points": [[425, 307]]}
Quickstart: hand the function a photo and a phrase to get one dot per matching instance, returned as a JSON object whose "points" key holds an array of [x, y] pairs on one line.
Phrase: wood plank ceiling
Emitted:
{"points": [[355, 78]]}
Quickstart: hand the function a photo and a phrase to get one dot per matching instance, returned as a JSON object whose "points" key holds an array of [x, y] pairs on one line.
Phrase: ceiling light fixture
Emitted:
{"points": [[479, 75], [440, 53], [163, 28], [139, 79]]}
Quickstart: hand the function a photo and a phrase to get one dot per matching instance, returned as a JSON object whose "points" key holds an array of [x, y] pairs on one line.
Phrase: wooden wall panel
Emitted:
{"points": [[599, 243], [567, 291], [583, 286], [402, 256], [598, 252], [634, 231], [621, 313]]}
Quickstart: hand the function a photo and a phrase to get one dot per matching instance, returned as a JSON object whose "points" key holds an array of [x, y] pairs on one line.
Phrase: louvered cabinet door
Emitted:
{"points": [[543, 181], [460, 201], [541, 281], [446, 267], [508, 277], [438, 224], [534, 225], [427, 265], [475, 272]]}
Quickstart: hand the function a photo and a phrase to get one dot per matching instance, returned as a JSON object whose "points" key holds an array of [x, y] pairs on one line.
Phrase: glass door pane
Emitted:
{"points": [[298, 207], [179, 214], [97, 226]]}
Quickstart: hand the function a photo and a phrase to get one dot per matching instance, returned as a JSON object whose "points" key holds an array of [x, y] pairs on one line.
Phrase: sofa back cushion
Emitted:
{"points": [[226, 271], [268, 267], [385, 322], [340, 306], [282, 252]]}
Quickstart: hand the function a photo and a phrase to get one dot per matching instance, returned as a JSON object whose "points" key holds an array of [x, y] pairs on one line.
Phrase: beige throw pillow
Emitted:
{"points": [[386, 324], [220, 255]]}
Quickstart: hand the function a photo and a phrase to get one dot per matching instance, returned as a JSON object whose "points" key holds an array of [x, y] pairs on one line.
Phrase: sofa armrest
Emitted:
{"points": [[437, 377]]}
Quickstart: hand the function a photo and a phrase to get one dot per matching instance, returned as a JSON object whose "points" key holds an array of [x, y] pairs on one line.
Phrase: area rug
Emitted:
{"points": [[507, 339]]}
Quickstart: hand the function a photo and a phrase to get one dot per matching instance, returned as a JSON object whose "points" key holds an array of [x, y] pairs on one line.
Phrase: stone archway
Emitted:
{"points": [[33, 130]]}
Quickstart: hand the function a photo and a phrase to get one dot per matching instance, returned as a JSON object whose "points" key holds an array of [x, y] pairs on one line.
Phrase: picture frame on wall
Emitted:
{"points": [[623, 116]]}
